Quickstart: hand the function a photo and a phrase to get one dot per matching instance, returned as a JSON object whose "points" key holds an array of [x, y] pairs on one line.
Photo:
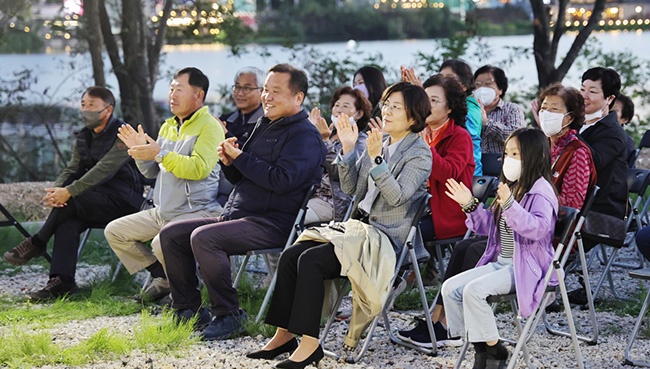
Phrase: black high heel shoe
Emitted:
{"points": [[315, 357], [290, 346]]}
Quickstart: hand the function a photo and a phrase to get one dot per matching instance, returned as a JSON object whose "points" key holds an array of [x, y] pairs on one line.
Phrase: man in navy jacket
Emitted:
{"points": [[271, 174]]}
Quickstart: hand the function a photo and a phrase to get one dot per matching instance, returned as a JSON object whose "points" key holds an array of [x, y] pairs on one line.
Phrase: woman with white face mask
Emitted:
{"points": [[501, 117], [561, 115]]}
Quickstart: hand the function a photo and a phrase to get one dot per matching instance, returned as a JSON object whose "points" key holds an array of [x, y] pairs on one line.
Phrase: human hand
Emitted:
{"points": [[147, 151], [374, 141], [222, 150], [130, 136], [56, 197], [347, 133], [484, 117], [503, 193], [458, 192], [408, 75], [223, 124], [321, 124], [534, 106]]}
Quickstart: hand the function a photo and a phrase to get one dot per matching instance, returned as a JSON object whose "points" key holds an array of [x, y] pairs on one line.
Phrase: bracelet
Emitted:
{"points": [[470, 206]]}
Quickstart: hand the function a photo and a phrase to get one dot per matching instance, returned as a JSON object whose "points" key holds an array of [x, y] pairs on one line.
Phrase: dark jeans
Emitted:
{"points": [[209, 242], [92, 208], [464, 256], [298, 296]]}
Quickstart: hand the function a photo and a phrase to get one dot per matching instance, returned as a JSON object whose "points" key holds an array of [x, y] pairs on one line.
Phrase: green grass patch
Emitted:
{"points": [[410, 298]]}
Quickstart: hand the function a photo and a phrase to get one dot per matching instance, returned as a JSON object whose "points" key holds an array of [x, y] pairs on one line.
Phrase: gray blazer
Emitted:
{"points": [[401, 185]]}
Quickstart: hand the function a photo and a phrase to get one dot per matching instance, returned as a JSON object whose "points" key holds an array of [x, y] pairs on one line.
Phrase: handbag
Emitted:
{"points": [[604, 228]]}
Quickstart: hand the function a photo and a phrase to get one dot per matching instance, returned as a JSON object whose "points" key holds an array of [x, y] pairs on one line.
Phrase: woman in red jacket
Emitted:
{"points": [[451, 146]]}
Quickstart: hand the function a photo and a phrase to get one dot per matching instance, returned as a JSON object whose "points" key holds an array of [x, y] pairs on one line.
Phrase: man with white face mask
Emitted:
{"points": [[99, 184], [501, 118], [606, 138]]}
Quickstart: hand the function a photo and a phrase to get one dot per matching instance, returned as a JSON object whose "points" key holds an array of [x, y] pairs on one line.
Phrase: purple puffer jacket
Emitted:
{"points": [[533, 223]]}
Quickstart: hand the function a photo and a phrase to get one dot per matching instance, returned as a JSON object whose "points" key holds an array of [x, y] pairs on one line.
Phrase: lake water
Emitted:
{"points": [[64, 76], [57, 73]]}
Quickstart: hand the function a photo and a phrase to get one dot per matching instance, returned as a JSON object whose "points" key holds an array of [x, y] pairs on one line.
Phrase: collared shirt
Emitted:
{"points": [[502, 121]]}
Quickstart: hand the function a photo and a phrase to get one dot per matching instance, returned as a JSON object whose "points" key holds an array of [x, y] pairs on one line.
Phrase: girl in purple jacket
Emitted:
{"points": [[519, 224]]}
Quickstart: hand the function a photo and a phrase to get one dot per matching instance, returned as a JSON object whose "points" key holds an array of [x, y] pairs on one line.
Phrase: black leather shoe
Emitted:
{"points": [[290, 346], [315, 357]]}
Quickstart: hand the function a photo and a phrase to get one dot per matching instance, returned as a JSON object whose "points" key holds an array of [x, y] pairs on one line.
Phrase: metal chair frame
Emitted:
{"points": [[643, 274]]}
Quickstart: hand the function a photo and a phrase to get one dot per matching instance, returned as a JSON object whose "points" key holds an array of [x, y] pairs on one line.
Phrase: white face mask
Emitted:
{"points": [[598, 113], [511, 168], [551, 122], [335, 119], [485, 95]]}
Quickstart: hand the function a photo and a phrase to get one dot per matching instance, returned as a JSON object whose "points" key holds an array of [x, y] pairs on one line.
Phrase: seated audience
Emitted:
{"points": [[501, 117], [389, 182], [99, 184], [247, 94], [520, 226], [271, 173], [330, 202], [183, 160], [624, 108]]}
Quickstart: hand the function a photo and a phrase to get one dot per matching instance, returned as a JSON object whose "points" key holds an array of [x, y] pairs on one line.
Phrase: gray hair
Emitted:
{"points": [[259, 74]]}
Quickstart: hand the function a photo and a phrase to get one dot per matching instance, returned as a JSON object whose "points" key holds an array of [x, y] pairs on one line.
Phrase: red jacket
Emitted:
{"points": [[453, 157]]}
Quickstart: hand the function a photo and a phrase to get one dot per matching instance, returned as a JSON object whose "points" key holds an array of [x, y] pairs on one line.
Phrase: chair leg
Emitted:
{"points": [[634, 334], [267, 298], [240, 272], [331, 319], [84, 239], [118, 267], [461, 355]]}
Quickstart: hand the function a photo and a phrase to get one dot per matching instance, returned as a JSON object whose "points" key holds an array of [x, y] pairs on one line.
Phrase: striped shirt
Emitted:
{"points": [[506, 234]]}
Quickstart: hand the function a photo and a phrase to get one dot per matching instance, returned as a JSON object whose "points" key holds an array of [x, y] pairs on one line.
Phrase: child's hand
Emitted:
{"points": [[503, 193], [458, 192]]}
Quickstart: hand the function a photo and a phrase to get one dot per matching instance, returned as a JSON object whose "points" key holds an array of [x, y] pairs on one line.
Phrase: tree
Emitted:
{"points": [[547, 33], [9, 9]]}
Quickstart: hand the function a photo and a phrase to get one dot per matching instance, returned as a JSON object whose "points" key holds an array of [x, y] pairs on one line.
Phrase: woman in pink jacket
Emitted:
{"points": [[520, 226]]}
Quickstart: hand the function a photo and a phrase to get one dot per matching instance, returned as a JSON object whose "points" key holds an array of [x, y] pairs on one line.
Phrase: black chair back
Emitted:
{"points": [[638, 181], [492, 164], [484, 187]]}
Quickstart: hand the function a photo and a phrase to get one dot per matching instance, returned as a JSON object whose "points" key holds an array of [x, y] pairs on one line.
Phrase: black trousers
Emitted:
{"points": [[299, 292], [464, 256], [209, 242], [92, 208]]}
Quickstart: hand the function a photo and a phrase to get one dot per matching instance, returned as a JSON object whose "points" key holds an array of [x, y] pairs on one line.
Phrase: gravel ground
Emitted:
{"points": [[547, 351]]}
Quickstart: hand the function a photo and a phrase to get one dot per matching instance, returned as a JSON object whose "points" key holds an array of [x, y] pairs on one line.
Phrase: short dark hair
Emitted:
{"points": [[416, 103], [463, 71], [375, 82], [298, 81], [361, 103], [196, 78], [102, 93], [454, 94], [573, 100], [627, 104], [609, 79], [499, 77]]}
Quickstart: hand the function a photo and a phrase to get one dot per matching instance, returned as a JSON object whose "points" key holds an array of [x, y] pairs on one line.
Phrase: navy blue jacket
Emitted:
{"points": [[279, 162]]}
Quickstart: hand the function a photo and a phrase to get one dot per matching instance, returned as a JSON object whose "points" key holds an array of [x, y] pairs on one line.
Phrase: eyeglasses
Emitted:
{"points": [[436, 102], [484, 83], [390, 107], [245, 89]]}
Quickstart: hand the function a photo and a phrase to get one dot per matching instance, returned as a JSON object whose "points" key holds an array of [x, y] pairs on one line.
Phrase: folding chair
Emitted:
{"points": [[401, 265], [634, 155], [638, 182], [576, 239], [643, 274], [13, 222], [298, 226], [492, 164], [483, 187], [567, 218]]}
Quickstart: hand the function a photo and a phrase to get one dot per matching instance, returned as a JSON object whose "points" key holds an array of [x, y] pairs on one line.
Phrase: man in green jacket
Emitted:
{"points": [[99, 184], [183, 160]]}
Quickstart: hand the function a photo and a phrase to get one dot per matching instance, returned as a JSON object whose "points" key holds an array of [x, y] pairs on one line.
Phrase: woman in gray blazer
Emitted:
{"points": [[389, 180]]}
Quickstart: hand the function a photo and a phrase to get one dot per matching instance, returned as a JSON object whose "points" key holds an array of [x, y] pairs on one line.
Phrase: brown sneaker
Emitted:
{"points": [[54, 289], [24, 252]]}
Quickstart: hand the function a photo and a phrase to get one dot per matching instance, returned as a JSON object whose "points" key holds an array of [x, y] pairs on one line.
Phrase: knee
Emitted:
{"points": [[203, 240], [168, 234], [473, 291], [156, 248], [112, 232]]}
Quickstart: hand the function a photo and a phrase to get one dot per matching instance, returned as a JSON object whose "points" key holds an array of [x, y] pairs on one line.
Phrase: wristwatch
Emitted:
{"points": [[161, 154], [379, 160]]}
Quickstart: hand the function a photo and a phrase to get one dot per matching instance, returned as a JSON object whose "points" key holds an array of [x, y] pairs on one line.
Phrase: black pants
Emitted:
{"points": [[209, 242], [298, 296], [92, 208], [464, 256]]}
